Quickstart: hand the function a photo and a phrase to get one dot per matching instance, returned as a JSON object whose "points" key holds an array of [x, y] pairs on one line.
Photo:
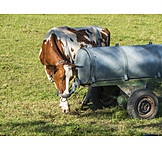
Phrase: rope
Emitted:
{"points": [[74, 95]]}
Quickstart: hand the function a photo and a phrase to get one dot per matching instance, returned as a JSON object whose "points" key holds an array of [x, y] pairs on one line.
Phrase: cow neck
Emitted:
{"points": [[59, 53]]}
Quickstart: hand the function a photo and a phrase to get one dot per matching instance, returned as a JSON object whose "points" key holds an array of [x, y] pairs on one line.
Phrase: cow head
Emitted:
{"points": [[60, 74], [57, 74]]}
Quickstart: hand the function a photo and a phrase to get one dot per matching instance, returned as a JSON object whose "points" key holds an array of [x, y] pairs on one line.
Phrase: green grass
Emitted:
{"points": [[28, 102]]}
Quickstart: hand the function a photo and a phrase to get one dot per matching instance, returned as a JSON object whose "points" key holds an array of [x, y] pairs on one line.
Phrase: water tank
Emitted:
{"points": [[98, 64]]}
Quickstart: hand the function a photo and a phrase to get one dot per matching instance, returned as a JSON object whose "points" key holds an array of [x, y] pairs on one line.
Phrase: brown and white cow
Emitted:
{"points": [[58, 53]]}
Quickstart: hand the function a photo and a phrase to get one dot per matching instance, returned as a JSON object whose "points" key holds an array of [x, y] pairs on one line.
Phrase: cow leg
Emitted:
{"points": [[64, 105]]}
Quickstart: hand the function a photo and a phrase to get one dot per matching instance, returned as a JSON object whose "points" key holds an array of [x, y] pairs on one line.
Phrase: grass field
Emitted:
{"points": [[28, 102]]}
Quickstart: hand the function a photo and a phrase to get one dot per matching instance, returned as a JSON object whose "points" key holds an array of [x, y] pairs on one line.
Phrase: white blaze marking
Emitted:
{"points": [[68, 74]]}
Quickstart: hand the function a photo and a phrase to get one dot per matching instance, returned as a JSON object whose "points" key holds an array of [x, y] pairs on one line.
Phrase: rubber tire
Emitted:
{"points": [[98, 102], [135, 99]]}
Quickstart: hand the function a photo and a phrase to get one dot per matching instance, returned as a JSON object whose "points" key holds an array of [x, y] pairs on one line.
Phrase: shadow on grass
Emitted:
{"points": [[89, 110], [18, 128], [113, 111], [24, 124], [31, 128], [157, 125], [50, 127], [107, 113], [96, 113], [41, 128]]}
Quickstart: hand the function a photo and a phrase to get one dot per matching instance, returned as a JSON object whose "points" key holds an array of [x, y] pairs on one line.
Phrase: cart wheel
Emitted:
{"points": [[102, 96], [143, 104]]}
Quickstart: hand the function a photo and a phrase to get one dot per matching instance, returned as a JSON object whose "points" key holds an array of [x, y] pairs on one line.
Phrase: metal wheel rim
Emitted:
{"points": [[145, 106]]}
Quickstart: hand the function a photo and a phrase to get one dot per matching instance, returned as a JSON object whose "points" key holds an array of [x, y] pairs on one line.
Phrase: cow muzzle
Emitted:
{"points": [[75, 85]]}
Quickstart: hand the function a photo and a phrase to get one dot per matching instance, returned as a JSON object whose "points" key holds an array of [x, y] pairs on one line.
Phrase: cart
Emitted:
{"points": [[120, 74]]}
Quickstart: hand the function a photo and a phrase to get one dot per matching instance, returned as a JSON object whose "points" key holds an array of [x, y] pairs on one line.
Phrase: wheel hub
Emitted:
{"points": [[145, 106]]}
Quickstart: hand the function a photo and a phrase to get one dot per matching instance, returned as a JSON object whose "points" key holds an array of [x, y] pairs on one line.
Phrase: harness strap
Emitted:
{"points": [[67, 50], [60, 62]]}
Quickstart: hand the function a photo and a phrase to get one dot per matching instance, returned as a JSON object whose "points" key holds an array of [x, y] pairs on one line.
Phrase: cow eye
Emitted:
{"points": [[62, 77]]}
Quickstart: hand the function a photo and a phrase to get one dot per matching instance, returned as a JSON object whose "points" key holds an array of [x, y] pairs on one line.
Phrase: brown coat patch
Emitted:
{"points": [[72, 50], [89, 31], [106, 37], [80, 34], [106, 31], [81, 46]]}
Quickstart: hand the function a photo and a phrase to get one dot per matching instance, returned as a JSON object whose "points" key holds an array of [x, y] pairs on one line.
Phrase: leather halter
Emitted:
{"points": [[60, 62]]}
